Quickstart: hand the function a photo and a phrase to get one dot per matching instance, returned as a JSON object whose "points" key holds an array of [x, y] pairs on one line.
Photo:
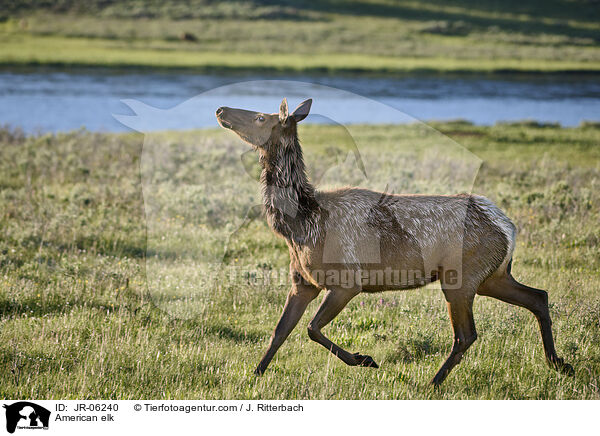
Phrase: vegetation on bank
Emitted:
{"points": [[369, 36], [78, 318]]}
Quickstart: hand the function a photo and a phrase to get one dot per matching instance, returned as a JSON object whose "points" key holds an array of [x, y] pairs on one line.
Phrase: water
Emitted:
{"points": [[58, 101]]}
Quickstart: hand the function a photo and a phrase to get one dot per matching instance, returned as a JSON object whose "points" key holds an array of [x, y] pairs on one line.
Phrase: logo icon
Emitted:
{"points": [[200, 190], [26, 415]]}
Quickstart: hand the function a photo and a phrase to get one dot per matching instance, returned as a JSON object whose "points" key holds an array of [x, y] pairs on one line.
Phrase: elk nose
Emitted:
{"points": [[219, 111]]}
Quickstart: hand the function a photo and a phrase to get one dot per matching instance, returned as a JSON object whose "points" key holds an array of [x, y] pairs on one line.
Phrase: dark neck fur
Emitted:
{"points": [[288, 196]]}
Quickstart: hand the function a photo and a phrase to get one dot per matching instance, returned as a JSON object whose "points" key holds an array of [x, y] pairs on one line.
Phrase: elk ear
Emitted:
{"points": [[283, 111], [302, 110]]}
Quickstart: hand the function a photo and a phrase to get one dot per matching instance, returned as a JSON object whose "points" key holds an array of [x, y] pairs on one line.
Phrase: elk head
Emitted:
{"points": [[260, 129]]}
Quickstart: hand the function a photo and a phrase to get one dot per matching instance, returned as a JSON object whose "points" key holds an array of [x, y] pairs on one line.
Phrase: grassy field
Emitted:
{"points": [[369, 36], [79, 318]]}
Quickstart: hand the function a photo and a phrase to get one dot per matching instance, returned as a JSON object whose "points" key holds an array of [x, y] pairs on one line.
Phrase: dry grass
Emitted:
{"points": [[78, 319]]}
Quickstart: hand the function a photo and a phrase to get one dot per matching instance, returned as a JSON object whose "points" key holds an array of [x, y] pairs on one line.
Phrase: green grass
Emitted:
{"points": [[79, 317], [81, 52], [369, 36]]}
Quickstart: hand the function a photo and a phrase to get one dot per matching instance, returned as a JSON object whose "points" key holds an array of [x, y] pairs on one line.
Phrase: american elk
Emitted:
{"points": [[464, 241]]}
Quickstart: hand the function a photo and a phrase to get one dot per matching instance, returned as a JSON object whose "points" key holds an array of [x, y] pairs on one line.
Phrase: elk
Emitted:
{"points": [[329, 231]]}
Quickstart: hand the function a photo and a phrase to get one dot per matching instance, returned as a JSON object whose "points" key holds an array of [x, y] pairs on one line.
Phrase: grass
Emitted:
{"points": [[59, 51], [80, 257], [368, 36]]}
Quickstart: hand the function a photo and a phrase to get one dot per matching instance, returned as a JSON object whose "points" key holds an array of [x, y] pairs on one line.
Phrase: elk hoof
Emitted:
{"points": [[365, 361], [561, 366], [258, 372], [568, 370]]}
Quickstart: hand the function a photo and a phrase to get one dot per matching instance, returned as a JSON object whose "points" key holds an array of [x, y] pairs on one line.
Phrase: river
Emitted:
{"points": [[50, 101]]}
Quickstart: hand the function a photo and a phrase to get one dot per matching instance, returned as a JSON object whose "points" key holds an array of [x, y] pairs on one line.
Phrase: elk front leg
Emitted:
{"points": [[333, 302], [297, 301]]}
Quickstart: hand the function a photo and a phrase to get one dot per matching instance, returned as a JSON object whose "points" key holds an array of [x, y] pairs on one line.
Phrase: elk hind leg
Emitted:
{"points": [[507, 289], [460, 309]]}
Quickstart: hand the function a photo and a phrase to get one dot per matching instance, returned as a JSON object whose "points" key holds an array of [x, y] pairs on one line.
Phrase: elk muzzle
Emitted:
{"points": [[220, 113]]}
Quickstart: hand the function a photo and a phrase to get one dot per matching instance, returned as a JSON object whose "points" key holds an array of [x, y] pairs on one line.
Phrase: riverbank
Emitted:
{"points": [[56, 51], [360, 37]]}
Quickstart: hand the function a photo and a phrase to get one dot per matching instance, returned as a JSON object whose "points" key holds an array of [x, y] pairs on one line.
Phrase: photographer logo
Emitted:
{"points": [[26, 415]]}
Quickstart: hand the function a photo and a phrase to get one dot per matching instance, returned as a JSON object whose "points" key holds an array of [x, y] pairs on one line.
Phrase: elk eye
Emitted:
{"points": [[260, 118]]}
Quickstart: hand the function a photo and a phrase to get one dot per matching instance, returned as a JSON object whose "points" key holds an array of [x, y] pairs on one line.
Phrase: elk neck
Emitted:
{"points": [[288, 196]]}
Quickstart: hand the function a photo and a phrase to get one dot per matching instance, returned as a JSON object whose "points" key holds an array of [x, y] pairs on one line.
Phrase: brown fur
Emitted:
{"points": [[463, 240]]}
